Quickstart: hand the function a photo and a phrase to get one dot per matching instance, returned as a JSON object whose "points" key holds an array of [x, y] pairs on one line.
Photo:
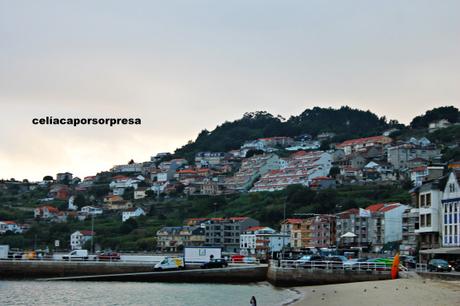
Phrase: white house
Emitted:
{"points": [[261, 240], [140, 193], [79, 238], [132, 213], [119, 185], [91, 210], [9, 226], [451, 211]]}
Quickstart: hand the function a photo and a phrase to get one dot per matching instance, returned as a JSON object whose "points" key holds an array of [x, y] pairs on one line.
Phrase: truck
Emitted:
{"points": [[170, 263], [4, 249], [76, 255], [201, 254]]}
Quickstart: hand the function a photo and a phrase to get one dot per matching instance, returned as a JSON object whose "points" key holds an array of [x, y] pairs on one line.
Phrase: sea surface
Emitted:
{"points": [[131, 293]]}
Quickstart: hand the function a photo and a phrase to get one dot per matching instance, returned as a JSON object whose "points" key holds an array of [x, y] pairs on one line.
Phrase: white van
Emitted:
{"points": [[170, 263], [76, 255]]}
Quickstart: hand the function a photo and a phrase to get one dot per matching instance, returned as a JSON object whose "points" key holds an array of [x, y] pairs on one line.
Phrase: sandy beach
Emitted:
{"points": [[405, 292]]}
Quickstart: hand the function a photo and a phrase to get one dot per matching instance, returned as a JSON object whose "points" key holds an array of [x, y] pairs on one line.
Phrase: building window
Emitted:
{"points": [[428, 220], [422, 220], [428, 199]]}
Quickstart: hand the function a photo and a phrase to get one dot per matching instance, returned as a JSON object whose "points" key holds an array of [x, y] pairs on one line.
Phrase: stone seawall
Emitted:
{"points": [[41, 269], [306, 277], [122, 271]]}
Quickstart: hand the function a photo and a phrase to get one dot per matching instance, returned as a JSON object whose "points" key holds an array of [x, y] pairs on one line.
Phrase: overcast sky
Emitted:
{"points": [[183, 66]]}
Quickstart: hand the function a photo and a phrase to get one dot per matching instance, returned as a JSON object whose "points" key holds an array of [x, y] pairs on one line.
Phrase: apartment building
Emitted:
{"points": [[225, 232]]}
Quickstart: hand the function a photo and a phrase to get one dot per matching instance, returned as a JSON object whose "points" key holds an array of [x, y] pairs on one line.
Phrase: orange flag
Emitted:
{"points": [[395, 267]]}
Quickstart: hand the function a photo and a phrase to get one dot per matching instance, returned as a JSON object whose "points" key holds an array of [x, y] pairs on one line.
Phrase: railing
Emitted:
{"points": [[331, 265]]}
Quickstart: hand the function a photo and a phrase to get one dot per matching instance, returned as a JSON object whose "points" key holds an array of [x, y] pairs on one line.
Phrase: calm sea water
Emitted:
{"points": [[124, 293]]}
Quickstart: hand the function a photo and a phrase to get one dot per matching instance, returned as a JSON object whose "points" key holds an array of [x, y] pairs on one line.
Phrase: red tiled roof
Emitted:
{"points": [[87, 233], [293, 221], [352, 142], [348, 212], [389, 207], [375, 207], [50, 208], [8, 222], [238, 218], [254, 228]]}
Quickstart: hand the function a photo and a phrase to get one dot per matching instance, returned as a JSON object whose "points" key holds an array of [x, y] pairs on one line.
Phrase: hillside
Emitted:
{"points": [[345, 122]]}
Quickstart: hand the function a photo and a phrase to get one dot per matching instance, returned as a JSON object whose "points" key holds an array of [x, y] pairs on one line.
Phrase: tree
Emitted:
{"points": [[48, 178], [80, 201], [334, 172], [128, 226], [129, 193], [449, 113]]}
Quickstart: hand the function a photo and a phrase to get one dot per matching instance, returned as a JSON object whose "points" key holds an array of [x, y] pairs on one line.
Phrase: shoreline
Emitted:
{"points": [[407, 292]]}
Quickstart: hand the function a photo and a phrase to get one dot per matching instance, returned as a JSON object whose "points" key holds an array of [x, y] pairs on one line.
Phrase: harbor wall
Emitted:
{"points": [[42, 269], [305, 277]]}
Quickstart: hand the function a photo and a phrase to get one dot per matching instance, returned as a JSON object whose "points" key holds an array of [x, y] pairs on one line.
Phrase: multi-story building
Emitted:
{"points": [[350, 221], [225, 232], [401, 156], [126, 168], [356, 145], [427, 198], [301, 168], [251, 169], [373, 227], [451, 211], [79, 238], [175, 238], [292, 227], [210, 159], [262, 241], [323, 231], [410, 224]]}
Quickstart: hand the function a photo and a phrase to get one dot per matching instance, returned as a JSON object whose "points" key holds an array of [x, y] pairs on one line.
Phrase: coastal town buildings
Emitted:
{"points": [[251, 169], [175, 238], [225, 232], [79, 238], [450, 209], [300, 168], [362, 144], [261, 241], [132, 213]]}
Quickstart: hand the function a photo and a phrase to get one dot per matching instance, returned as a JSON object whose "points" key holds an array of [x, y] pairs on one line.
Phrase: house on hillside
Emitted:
{"points": [[79, 238], [132, 213], [46, 212]]}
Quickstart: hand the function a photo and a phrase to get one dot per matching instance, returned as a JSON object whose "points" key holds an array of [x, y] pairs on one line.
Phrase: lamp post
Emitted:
{"points": [[92, 233]]}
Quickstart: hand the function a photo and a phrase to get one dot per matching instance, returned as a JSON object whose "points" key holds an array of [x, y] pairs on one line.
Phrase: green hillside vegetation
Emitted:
{"points": [[267, 207], [345, 122]]}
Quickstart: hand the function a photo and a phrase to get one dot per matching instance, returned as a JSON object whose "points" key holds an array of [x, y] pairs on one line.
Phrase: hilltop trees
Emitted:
{"points": [[450, 113]]}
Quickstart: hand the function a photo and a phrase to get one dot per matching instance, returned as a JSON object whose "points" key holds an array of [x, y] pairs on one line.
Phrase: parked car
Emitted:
{"points": [[307, 261], [408, 261], [355, 263], [76, 255], [109, 256], [15, 255], [439, 265], [336, 258], [215, 263]]}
